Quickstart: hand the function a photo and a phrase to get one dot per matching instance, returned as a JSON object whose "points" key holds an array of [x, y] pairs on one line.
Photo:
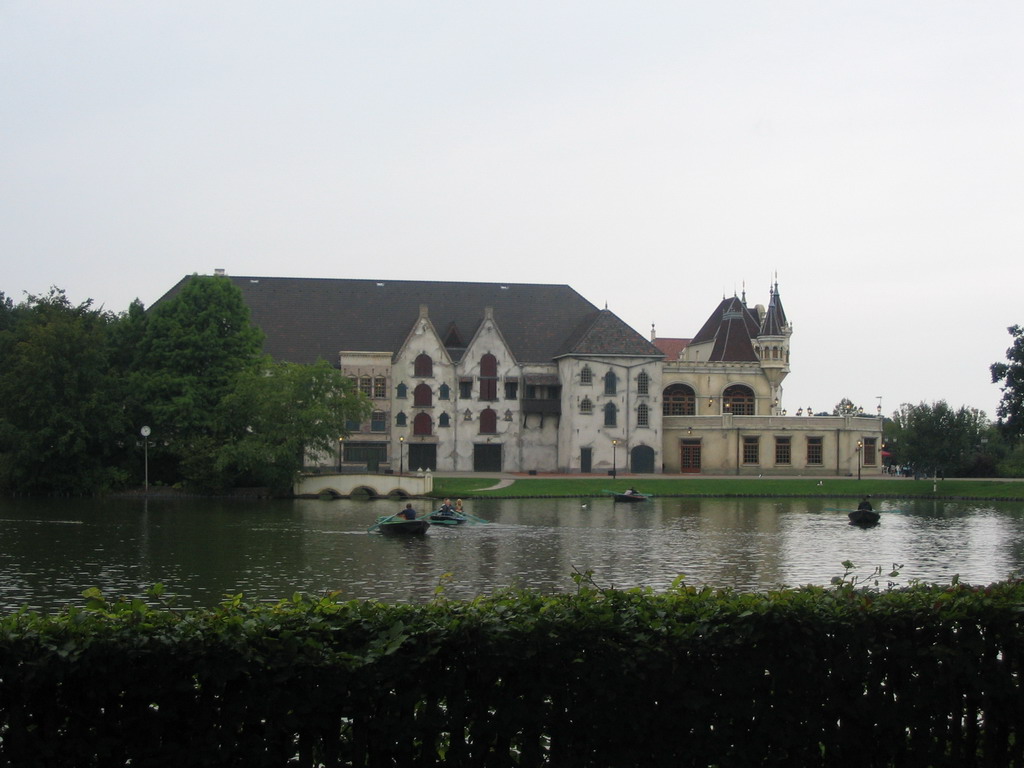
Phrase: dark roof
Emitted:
{"points": [[774, 323], [734, 308], [305, 319], [605, 334]]}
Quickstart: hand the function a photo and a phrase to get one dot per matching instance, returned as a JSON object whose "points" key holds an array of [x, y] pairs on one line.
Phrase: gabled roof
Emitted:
{"points": [[605, 334], [305, 319], [732, 339]]}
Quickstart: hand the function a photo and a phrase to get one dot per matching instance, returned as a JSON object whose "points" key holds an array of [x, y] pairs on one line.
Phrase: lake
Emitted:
{"points": [[203, 549]]}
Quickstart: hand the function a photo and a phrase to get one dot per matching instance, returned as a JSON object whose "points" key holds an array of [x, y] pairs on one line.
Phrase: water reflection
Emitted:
{"points": [[203, 550]]}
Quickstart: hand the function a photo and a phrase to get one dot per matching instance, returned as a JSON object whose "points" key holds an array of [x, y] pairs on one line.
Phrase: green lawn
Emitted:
{"points": [[473, 487]]}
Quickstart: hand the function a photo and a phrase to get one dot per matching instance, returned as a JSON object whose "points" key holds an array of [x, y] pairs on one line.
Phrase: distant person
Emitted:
{"points": [[458, 506], [865, 505], [408, 513], [446, 509]]}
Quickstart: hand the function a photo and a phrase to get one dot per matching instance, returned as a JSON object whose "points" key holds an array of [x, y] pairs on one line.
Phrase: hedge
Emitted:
{"points": [[924, 675]]}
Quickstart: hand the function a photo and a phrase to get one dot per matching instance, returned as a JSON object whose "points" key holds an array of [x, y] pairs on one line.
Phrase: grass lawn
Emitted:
{"points": [[889, 488]]}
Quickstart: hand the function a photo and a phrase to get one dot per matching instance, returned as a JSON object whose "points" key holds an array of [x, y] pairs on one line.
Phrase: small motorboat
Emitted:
{"points": [[401, 527], [863, 517]]}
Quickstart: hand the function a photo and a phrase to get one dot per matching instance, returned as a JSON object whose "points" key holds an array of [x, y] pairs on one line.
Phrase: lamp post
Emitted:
{"points": [[341, 452], [615, 444], [401, 455], [860, 446], [145, 432]]}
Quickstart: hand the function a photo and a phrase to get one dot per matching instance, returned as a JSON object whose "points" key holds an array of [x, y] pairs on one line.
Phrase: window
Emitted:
{"points": [[679, 400], [352, 426], [424, 365], [444, 392], [380, 387], [870, 455], [444, 420], [488, 377], [586, 376], [488, 421], [814, 451], [465, 389], [643, 383], [511, 390], [586, 406], [422, 425], [609, 383], [643, 418], [610, 415], [751, 450], [783, 452], [422, 396], [401, 391], [378, 421], [400, 419], [366, 386], [738, 400]]}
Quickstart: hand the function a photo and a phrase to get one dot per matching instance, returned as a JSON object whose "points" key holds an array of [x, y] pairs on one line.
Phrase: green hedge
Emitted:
{"points": [[924, 675]]}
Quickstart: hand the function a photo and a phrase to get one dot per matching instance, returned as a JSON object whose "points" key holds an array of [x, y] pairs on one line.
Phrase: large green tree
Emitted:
{"points": [[61, 413], [937, 440], [1011, 376], [283, 412], [190, 351]]}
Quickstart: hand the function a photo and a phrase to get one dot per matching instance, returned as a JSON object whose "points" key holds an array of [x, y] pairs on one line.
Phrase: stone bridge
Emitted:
{"points": [[372, 485]]}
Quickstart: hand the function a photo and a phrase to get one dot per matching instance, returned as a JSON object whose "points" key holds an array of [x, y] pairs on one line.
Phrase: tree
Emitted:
{"points": [[1011, 374], [845, 407], [61, 417], [935, 439], [283, 412], [192, 349]]}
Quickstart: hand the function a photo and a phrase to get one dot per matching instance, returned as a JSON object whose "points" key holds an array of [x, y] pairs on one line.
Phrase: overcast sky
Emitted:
{"points": [[656, 156]]}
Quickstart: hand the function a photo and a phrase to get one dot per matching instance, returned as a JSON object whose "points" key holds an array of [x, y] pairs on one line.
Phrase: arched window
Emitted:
{"points": [[422, 425], [488, 421], [586, 406], [610, 415], [380, 387], [444, 392], [678, 400], [366, 385], [643, 417], [422, 395], [378, 421], [444, 420], [401, 391], [586, 375], [738, 400], [400, 419], [643, 383], [424, 365], [609, 383], [488, 377]]}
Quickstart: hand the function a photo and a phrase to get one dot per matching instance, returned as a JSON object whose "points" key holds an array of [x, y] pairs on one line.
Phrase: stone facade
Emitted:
{"points": [[534, 378]]}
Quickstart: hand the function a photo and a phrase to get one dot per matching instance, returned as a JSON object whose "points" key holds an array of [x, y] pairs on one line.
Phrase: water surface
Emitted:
{"points": [[203, 550]]}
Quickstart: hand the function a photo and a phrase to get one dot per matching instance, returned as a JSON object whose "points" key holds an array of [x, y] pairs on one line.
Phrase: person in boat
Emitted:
{"points": [[446, 509], [458, 507], [632, 492], [865, 505], [408, 513]]}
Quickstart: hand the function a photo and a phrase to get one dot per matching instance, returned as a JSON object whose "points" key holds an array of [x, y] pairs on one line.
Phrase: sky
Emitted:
{"points": [[655, 156]]}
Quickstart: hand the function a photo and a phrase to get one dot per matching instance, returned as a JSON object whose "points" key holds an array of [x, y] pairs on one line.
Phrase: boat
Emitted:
{"points": [[400, 527], [437, 518], [863, 517], [630, 497]]}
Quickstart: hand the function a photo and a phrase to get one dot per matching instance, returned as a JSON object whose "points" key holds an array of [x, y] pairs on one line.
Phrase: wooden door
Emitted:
{"points": [[689, 457]]}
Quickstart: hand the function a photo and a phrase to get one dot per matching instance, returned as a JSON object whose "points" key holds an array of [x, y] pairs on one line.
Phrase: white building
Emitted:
{"points": [[534, 378]]}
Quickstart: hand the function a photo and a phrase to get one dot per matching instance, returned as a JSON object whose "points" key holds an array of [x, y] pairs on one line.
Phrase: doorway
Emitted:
{"points": [[689, 456]]}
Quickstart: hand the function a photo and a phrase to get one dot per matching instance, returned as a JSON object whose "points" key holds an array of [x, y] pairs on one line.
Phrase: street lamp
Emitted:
{"points": [[145, 432], [341, 452], [401, 454], [860, 446], [614, 462]]}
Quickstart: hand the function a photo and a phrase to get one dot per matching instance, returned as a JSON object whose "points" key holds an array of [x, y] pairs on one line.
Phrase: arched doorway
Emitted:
{"points": [[641, 459]]}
